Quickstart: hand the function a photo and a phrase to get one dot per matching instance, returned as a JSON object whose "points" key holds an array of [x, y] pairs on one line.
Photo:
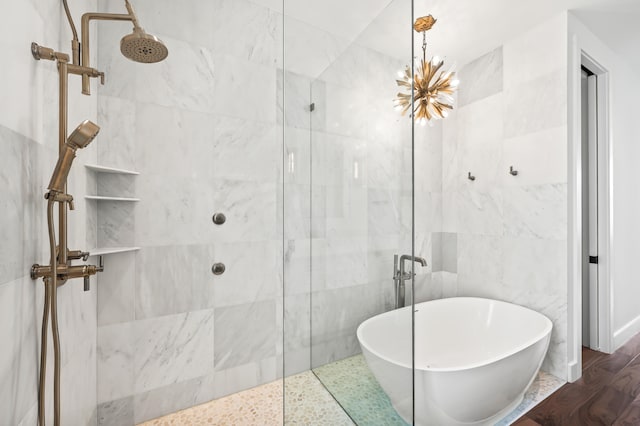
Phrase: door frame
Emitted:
{"points": [[578, 56]]}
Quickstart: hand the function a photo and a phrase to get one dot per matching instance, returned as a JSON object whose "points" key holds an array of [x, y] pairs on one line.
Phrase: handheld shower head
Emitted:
{"points": [[140, 46], [80, 138], [83, 134]]}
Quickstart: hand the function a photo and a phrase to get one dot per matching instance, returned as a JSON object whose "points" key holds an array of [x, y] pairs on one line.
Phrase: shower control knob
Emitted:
{"points": [[218, 268], [219, 218]]}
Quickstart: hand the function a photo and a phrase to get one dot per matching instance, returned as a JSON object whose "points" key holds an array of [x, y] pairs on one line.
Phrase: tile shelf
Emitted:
{"points": [[113, 170], [100, 174], [101, 251], [103, 198]]}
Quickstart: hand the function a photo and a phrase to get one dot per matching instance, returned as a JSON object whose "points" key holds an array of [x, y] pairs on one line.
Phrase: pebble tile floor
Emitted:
{"points": [[308, 402]]}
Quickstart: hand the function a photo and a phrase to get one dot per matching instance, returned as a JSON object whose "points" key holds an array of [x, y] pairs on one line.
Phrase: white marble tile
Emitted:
{"points": [[115, 224], [251, 208], [253, 272], [429, 162], [246, 376], [346, 211], [386, 210], [116, 413], [535, 265], [244, 334], [336, 318], [173, 279], [78, 385], [22, 82], [298, 263], [178, 211], [296, 202], [31, 418], [426, 212], [297, 324], [115, 349], [14, 220], [246, 30], [185, 138], [536, 211], [531, 54], [309, 50], [480, 212], [112, 184], [173, 348], [187, 79], [536, 105], [539, 158], [117, 142], [244, 150], [19, 359], [346, 112], [339, 262], [293, 99], [174, 397], [347, 70], [449, 212], [479, 273], [340, 161], [116, 289], [77, 319], [449, 284], [169, 19], [475, 145], [481, 78]]}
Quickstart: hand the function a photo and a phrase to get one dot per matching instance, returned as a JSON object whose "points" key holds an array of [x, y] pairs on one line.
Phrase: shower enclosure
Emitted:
{"points": [[280, 116]]}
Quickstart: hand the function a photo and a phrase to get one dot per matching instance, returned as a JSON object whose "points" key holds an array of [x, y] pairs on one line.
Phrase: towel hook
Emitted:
{"points": [[470, 177], [513, 172]]}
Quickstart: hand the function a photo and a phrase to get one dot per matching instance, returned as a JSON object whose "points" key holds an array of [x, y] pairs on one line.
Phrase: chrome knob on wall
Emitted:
{"points": [[218, 268], [219, 218]]}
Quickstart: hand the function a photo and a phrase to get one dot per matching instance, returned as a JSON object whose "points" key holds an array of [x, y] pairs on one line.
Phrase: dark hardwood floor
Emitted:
{"points": [[607, 394]]}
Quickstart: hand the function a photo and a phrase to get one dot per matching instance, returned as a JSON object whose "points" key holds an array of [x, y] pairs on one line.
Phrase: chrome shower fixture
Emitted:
{"points": [[80, 138]]}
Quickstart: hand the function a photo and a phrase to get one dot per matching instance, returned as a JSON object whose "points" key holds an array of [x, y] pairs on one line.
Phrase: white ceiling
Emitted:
{"points": [[465, 29]]}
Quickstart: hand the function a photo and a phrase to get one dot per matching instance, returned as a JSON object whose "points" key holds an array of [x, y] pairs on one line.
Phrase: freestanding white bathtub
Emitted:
{"points": [[474, 360]]}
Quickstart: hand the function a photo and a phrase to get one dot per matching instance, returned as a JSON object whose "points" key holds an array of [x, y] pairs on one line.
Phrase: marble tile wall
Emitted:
{"points": [[205, 129], [510, 232], [28, 153]]}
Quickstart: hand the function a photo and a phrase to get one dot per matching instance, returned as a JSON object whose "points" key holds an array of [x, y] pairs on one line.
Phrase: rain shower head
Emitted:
{"points": [[142, 47], [80, 138], [138, 46]]}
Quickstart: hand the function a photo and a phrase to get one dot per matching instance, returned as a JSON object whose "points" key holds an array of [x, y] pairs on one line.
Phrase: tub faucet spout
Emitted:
{"points": [[399, 276]]}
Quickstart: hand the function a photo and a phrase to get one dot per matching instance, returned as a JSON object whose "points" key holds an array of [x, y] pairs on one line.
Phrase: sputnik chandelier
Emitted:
{"points": [[433, 86]]}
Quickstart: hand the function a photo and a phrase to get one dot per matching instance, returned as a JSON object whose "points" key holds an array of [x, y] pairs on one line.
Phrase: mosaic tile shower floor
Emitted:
{"points": [[310, 403]]}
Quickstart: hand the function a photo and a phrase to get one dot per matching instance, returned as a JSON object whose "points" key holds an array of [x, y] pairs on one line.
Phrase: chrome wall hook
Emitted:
{"points": [[513, 172], [470, 177]]}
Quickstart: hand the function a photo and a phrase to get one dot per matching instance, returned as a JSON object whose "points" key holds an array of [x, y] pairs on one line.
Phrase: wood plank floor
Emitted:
{"points": [[607, 394]]}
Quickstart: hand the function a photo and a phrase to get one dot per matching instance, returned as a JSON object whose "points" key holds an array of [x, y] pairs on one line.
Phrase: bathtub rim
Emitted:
{"points": [[538, 337]]}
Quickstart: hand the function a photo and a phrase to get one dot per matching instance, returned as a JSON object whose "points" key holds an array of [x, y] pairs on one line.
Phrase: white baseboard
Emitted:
{"points": [[630, 329], [574, 371]]}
